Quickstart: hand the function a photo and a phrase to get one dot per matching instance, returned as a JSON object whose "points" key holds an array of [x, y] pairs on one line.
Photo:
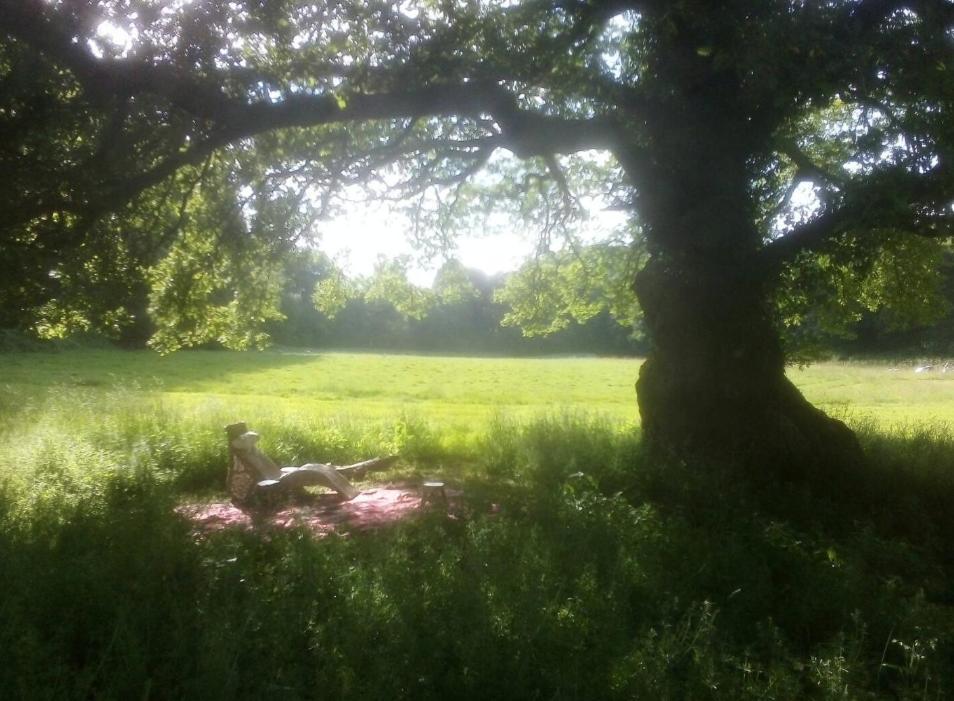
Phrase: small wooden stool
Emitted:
{"points": [[432, 493]]}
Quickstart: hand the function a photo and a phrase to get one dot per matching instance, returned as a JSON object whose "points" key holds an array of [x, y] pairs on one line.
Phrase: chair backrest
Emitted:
{"points": [[247, 464]]}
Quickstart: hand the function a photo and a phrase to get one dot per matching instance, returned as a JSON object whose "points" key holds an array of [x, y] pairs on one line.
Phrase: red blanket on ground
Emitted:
{"points": [[323, 514]]}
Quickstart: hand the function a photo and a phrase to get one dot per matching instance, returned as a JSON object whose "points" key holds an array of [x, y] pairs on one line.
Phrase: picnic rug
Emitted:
{"points": [[321, 513]]}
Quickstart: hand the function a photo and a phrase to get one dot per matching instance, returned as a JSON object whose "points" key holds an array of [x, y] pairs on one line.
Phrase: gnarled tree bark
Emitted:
{"points": [[714, 385]]}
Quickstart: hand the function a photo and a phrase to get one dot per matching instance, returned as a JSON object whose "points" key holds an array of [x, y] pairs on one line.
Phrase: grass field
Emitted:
{"points": [[451, 391], [602, 575]]}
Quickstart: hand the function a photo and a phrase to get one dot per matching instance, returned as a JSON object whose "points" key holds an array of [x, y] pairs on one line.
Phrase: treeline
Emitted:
{"points": [[560, 303], [473, 326], [461, 314], [469, 311], [883, 333], [911, 313]]}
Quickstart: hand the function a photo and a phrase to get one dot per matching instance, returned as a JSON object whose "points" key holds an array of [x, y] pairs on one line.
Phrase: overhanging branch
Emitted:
{"points": [[226, 118], [921, 204], [806, 167], [528, 133]]}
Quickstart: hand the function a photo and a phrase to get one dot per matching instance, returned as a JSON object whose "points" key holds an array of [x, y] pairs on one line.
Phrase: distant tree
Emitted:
{"points": [[556, 289], [324, 308], [702, 119], [389, 283], [917, 323]]}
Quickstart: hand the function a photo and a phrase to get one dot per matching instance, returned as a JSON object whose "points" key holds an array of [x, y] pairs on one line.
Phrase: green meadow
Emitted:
{"points": [[578, 567], [444, 389], [454, 392]]}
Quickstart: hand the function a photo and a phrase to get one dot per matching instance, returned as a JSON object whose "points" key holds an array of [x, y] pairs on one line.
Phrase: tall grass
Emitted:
{"points": [[602, 575]]}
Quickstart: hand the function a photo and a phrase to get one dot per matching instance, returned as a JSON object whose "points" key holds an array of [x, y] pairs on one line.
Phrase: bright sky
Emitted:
{"points": [[355, 241], [363, 233], [357, 238]]}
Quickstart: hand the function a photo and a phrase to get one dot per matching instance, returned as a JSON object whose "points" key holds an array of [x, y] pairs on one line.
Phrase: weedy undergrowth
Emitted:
{"points": [[601, 574]]}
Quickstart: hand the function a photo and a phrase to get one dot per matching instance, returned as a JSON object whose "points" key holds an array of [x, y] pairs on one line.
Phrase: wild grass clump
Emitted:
{"points": [[72, 439], [552, 448], [910, 483], [598, 574]]}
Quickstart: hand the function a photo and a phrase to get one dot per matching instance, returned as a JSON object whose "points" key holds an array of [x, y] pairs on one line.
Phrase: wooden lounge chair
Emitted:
{"points": [[252, 474]]}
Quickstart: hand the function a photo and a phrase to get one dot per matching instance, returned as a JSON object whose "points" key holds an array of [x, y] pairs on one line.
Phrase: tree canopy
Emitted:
{"points": [[764, 148]]}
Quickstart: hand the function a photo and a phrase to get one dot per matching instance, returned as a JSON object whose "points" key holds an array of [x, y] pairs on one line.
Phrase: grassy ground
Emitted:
{"points": [[602, 576], [448, 390]]}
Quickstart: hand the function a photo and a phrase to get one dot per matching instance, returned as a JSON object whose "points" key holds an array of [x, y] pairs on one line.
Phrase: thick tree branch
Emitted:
{"points": [[109, 195], [921, 204], [806, 237], [227, 118], [807, 168], [528, 133]]}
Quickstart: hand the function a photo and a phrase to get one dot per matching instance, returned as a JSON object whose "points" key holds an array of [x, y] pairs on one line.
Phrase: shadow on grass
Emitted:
{"points": [[604, 575], [192, 371]]}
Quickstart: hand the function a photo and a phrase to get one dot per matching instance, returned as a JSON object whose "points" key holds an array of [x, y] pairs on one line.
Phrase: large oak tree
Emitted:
{"points": [[714, 114]]}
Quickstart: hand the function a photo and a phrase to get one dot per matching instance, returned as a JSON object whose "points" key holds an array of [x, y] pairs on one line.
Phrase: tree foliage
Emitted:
{"points": [[559, 288], [463, 315], [828, 294]]}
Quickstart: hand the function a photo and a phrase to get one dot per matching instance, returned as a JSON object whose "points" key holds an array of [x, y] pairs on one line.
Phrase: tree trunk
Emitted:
{"points": [[714, 387]]}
